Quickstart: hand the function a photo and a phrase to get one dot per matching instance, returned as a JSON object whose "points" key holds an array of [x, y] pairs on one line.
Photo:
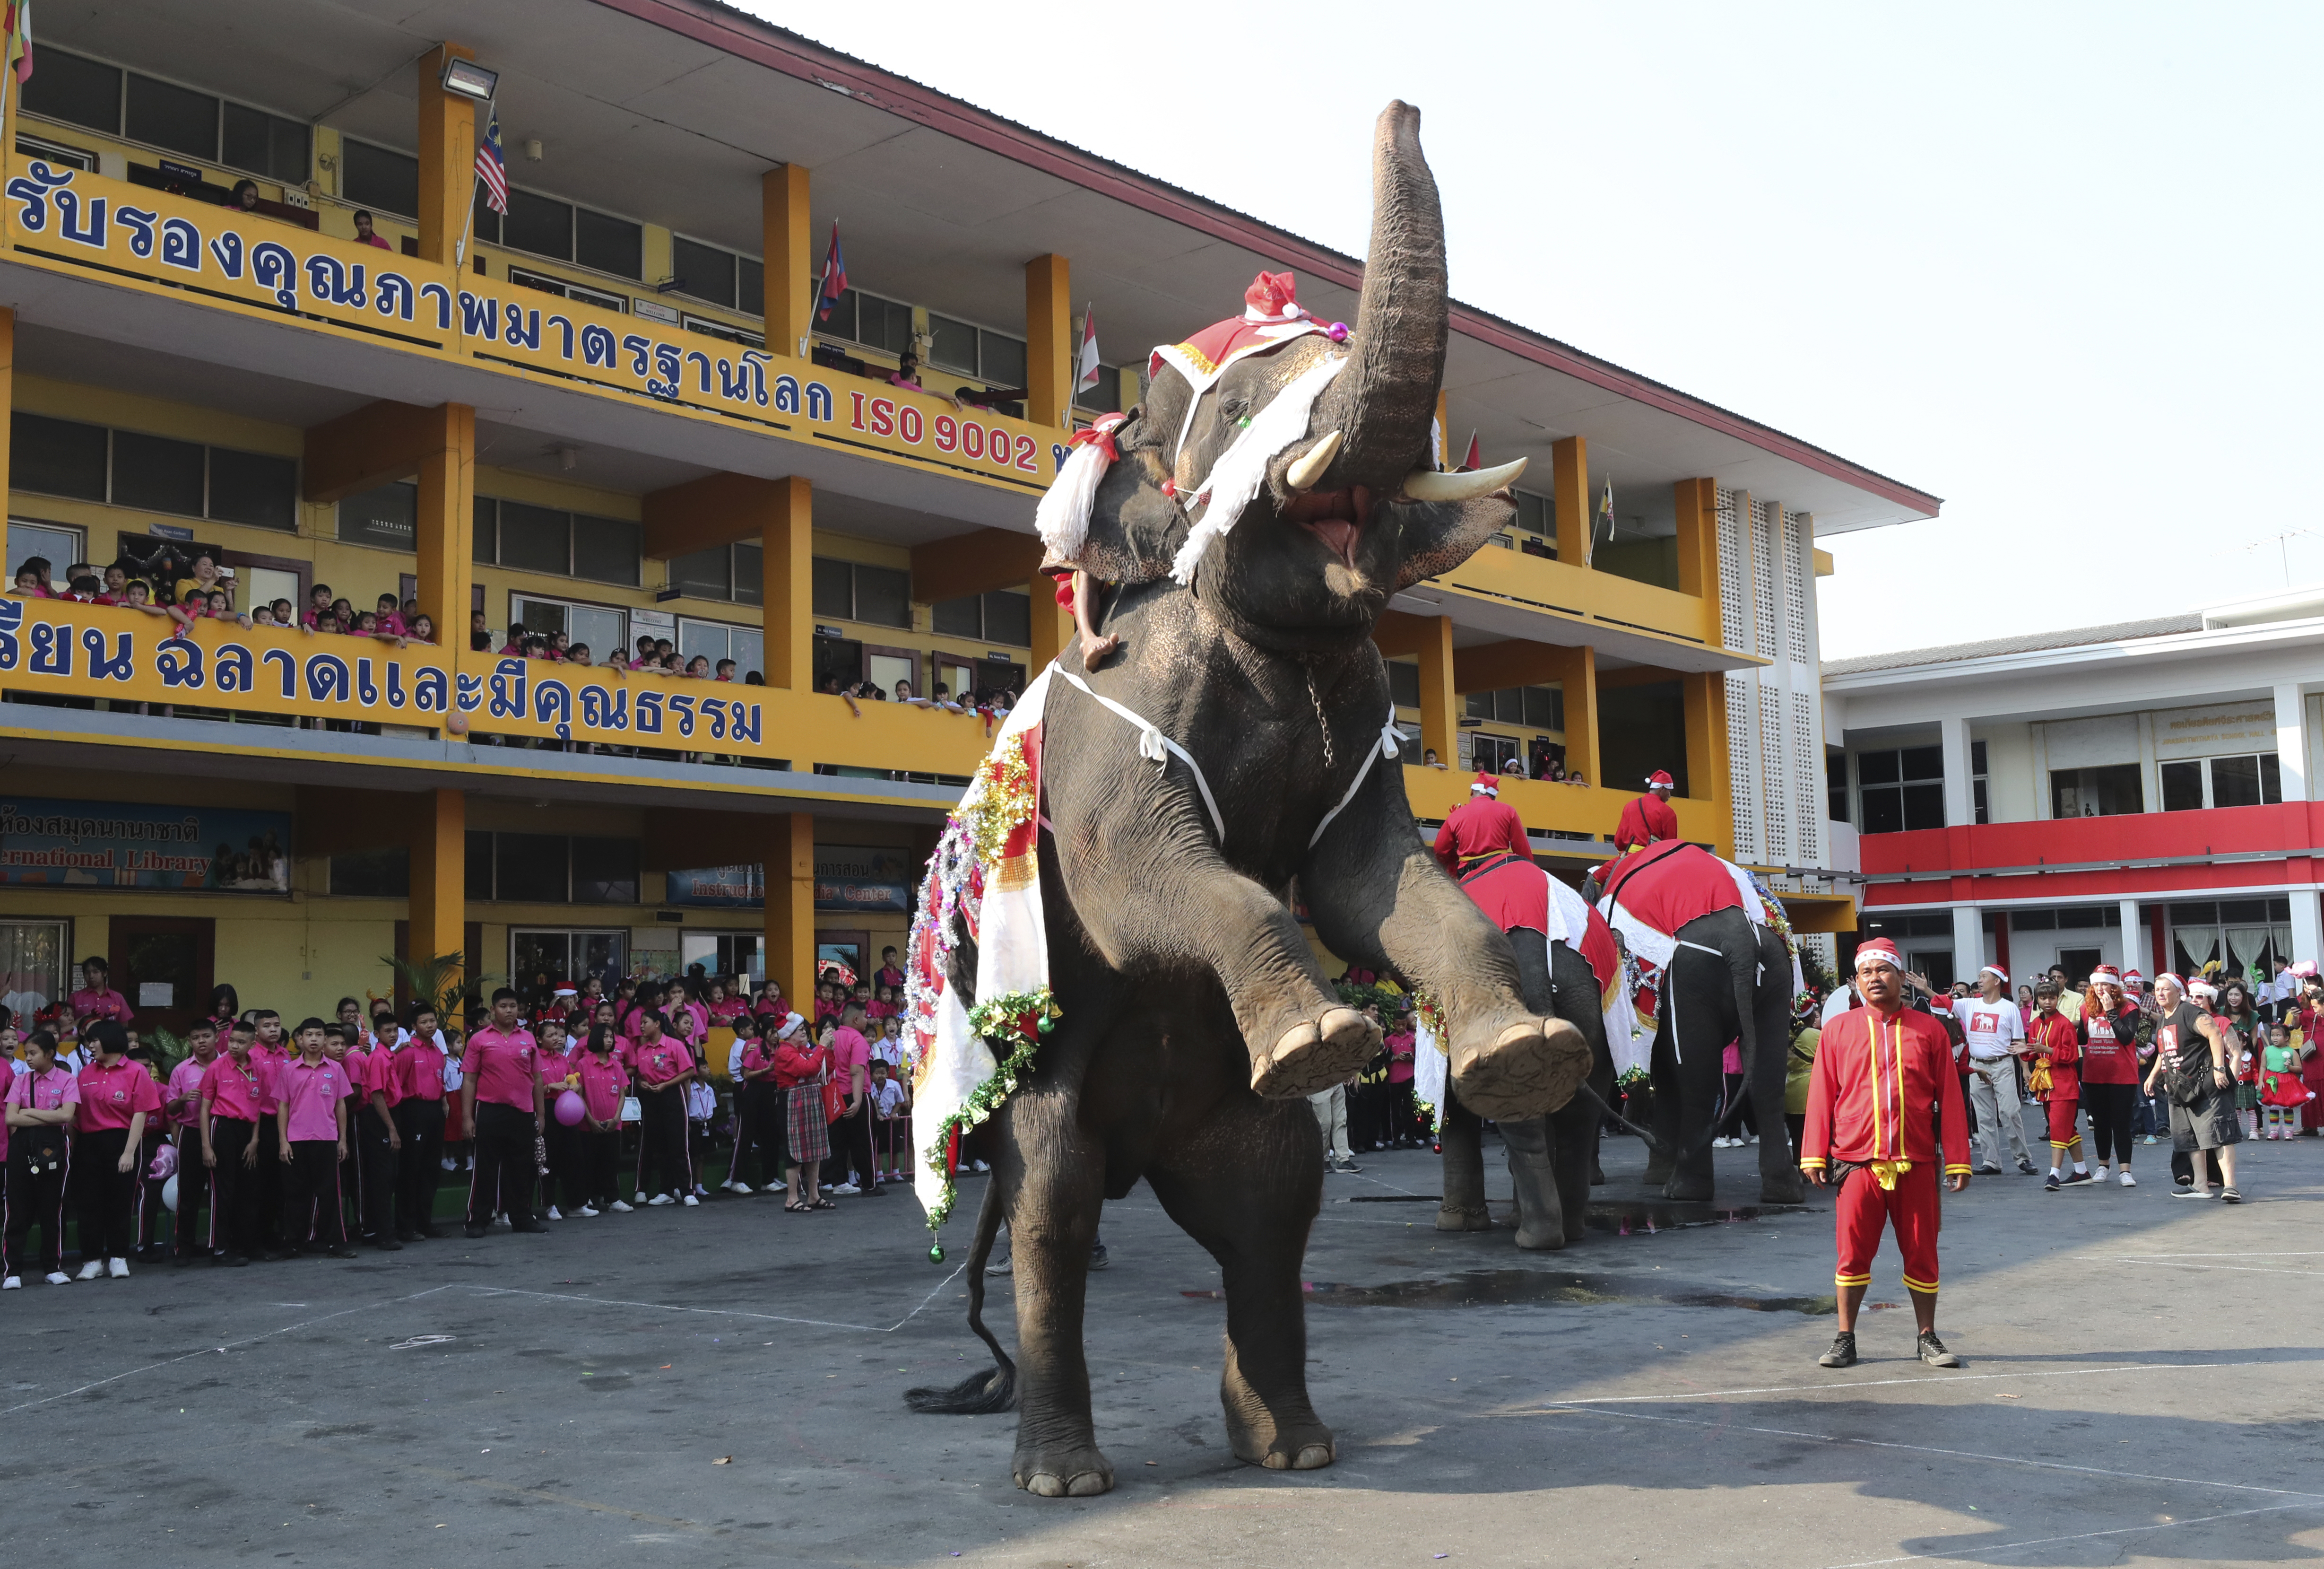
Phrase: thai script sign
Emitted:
{"points": [[51, 843]]}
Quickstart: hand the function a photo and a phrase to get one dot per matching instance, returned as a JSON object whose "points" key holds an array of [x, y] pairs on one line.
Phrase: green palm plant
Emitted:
{"points": [[442, 982]]}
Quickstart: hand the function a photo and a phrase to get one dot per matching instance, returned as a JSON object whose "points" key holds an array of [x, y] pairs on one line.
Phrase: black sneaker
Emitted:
{"points": [[1842, 1354], [1989, 1171], [386, 1244], [2051, 1182], [475, 1232], [341, 1251], [1005, 1267], [1933, 1352], [1099, 1258], [2080, 1179], [2024, 1168]]}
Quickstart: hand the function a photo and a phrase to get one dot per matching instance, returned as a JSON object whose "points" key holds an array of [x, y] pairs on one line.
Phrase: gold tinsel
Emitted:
{"points": [[1005, 802]]}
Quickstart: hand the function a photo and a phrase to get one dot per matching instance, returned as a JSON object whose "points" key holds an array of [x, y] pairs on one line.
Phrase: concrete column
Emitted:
{"points": [[1969, 941], [1053, 623], [1440, 704], [2137, 947], [788, 862], [439, 900], [447, 161], [444, 521], [1577, 678], [2292, 741], [1960, 798], [2306, 932], [1570, 481], [786, 611], [1048, 340], [7, 360], [790, 250]]}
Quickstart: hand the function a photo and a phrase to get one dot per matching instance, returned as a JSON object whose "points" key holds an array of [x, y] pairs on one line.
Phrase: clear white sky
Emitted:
{"points": [[2053, 263]]}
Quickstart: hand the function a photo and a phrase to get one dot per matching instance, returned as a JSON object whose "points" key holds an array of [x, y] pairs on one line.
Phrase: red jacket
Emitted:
{"points": [[1880, 1089], [1645, 820], [1479, 827]]}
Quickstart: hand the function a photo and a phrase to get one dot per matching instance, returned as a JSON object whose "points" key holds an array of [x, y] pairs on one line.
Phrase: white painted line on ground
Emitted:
{"points": [[2078, 1537], [2306, 1253], [714, 1311], [1933, 1380]]}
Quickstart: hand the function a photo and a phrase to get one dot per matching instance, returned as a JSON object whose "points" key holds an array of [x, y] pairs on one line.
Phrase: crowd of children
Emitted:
{"points": [[255, 1140], [185, 590]]}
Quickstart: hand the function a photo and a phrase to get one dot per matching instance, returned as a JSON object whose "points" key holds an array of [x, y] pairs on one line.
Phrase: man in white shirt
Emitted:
{"points": [[1996, 1032]]}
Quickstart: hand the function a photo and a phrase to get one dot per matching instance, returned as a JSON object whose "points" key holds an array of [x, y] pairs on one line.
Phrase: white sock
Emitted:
{"points": [[2055, 1172], [2079, 1169]]}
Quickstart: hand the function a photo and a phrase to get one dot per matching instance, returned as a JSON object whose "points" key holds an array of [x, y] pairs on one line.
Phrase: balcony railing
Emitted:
{"points": [[72, 221]]}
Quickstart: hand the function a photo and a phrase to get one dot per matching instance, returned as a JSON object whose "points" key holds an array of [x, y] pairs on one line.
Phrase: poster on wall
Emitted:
{"points": [[52, 844], [857, 877]]}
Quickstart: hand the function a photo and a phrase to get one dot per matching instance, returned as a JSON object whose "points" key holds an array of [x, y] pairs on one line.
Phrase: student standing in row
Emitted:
{"points": [[181, 1103], [118, 1097], [310, 1099], [379, 1143], [664, 1068], [236, 1097], [500, 1102], [419, 1119], [602, 1081], [758, 1117], [44, 1103], [557, 1067]]}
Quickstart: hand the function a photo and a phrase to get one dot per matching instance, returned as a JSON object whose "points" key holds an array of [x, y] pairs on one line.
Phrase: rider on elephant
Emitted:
{"points": [[1648, 820], [1480, 829]]}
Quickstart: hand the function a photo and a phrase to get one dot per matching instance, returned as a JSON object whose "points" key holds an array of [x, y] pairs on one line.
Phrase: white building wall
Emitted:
{"points": [[1774, 714]]}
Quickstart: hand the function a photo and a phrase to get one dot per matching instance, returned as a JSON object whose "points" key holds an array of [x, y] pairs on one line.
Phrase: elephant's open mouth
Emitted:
{"points": [[1336, 517]]}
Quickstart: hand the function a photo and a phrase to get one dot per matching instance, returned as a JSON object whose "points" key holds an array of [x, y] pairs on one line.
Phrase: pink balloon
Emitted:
{"points": [[571, 1108]]}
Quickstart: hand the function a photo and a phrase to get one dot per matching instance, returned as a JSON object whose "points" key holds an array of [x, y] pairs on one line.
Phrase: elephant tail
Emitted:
{"points": [[982, 1394]]}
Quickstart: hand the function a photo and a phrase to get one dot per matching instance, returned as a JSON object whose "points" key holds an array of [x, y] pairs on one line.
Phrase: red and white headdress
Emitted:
{"points": [[2106, 975], [1881, 950], [1485, 784], [1661, 779], [2170, 980], [1271, 317], [1996, 971]]}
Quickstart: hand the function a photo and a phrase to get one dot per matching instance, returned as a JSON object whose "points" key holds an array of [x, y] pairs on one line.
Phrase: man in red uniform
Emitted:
{"points": [[1480, 829], [1882, 1092], [1648, 818]]}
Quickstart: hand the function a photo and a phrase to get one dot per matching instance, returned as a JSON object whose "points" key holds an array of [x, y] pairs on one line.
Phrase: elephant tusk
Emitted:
{"points": [[1424, 484], [1303, 474]]}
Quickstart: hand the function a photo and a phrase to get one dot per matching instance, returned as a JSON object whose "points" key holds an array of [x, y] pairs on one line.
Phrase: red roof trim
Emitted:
{"points": [[747, 37]]}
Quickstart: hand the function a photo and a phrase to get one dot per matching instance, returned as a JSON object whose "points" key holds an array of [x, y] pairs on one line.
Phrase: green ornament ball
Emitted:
{"points": [[935, 1252]]}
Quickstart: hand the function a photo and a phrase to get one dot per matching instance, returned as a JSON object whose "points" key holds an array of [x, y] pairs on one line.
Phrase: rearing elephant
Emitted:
{"points": [[1255, 516]]}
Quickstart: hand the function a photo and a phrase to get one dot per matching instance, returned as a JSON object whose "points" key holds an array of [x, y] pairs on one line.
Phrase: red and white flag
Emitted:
{"points": [[1475, 459], [1087, 366]]}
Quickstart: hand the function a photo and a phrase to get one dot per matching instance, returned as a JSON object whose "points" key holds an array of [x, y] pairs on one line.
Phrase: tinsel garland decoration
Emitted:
{"points": [[1012, 1024], [1005, 803], [1431, 1014]]}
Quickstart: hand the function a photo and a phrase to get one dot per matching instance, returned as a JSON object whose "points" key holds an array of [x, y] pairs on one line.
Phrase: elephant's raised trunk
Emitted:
{"points": [[1384, 402]]}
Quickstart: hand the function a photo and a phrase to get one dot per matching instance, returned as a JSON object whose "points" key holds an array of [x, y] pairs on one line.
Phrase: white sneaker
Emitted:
{"points": [[2128, 1180], [553, 1214], [2099, 1170], [447, 1164], [119, 1268], [844, 1187], [92, 1270], [1750, 1138], [981, 1166], [59, 1278], [11, 1284], [738, 1188], [692, 1202], [587, 1210], [642, 1195], [619, 1208], [662, 1198]]}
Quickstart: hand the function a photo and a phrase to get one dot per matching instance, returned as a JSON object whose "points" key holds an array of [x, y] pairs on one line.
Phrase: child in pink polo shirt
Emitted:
{"points": [[237, 1096], [311, 1098], [557, 1075], [44, 1103], [664, 1067], [181, 1104], [117, 1097], [602, 1081]]}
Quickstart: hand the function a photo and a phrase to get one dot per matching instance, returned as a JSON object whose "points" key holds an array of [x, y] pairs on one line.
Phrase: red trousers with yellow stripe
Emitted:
{"points": [[1866, 1209]]}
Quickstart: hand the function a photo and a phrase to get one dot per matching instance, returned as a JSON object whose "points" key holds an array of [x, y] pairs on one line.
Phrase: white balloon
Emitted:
{"points": [[170, 1193]]}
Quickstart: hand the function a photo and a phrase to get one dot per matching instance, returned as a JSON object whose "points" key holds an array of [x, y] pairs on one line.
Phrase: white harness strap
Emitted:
{"points": [[1391, 740], [1156, 747]]}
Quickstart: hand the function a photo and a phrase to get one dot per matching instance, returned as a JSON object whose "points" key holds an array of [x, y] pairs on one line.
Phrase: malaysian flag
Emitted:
{"points": [[491, 169], [834, 278]]}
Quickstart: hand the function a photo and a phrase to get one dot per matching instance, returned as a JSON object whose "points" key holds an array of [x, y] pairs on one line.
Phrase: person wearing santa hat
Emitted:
{"points": [[1649, 817], [1882, 1092], [1480, 829], [1995, 1033], [2194, 1055]]}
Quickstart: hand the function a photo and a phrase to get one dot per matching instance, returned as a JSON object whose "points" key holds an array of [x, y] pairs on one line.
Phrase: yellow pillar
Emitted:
{"points": [[1570, 487], [1697, 505], [447, 159], [1577, 676], [1048, 340], [8, 372], [1440, 704], [439, 900], [446, 520], [790, 251], [1703, 698], [787, 861], [786, 545], [1053, 623]]}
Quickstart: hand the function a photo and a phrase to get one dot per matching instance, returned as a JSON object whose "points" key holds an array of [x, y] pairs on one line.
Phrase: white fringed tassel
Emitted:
{"points": [[1063, 518], [1241, 469]]}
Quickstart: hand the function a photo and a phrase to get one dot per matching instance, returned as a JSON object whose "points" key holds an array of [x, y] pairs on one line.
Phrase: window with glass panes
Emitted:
{"points": [[2240, 933], [2115, 790], [1900, 790], [154, 473], [552, 869], [977, 351], [546, 227], [2192, 784], [867, 319], [378, 178], [721, 640], [855, 591], [35, 964], [82, 90], [536, 539], [730, 572], [604, 628], [1542, 708]]}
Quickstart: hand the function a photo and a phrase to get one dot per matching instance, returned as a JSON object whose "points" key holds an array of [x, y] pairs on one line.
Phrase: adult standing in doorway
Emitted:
{"points": [[1996, 1032], [2193, 1055]]}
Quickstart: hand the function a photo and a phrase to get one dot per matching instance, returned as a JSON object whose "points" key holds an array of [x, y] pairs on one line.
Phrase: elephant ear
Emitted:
{"points": [[1135, 526], [1438, 536]]}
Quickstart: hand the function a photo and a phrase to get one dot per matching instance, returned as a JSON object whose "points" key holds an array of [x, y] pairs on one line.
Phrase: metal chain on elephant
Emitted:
{"points": [[1322, 721]]}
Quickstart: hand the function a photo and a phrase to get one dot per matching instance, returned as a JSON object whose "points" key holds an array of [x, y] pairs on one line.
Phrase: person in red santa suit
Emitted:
{"points": [[1882, 1092], [1480, 829], [1648, 818]]}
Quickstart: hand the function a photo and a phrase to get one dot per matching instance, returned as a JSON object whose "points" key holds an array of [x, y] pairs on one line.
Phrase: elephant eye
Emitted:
{"points": [[1235, 410]]}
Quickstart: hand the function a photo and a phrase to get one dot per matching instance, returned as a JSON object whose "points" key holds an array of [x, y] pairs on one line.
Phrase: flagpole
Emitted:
{"points": [[460, 251]]}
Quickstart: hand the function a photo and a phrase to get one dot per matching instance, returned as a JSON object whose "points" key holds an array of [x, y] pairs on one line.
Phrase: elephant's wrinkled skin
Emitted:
{"points": [[1742, 989], [1188, 993], [1553, 1159]]}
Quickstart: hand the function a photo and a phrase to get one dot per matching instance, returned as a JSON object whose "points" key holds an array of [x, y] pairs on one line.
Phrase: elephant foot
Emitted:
{"points": [[1301, 1445], [1596, 1174], [1078, 1472], [1310, 1057], [1531, 1068], [1540, 1238], [1686, 1186], [1455, 1217], [1784, 1186], [1659, 1168]]}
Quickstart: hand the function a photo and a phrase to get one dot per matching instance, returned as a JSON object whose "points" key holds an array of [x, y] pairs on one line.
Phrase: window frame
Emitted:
{"points": [[217, 157], [569, 516]]}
